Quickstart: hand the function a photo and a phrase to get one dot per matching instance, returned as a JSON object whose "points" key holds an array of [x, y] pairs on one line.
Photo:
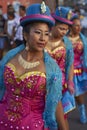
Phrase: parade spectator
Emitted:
{"points": [[2, 33], [11, 25], [18, 38]]}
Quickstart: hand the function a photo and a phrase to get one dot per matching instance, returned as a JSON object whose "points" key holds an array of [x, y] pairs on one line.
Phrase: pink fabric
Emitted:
{"points": [[33, 16], [78, 51], [62, 19], [23, 107], [59, 54]]}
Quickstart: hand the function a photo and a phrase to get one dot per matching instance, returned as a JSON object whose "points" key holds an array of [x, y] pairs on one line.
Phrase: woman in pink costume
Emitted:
{"points": [[61, 50], [79, 43], [30, 80]]}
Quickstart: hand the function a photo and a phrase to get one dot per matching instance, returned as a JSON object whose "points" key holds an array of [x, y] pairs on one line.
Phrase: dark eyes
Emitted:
{"points": [[65, 29], [47, 34], [39, 32]]}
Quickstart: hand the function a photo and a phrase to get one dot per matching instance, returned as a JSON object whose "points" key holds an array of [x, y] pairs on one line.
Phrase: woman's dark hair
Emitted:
{"points": [[28, 26], [74, 18], [60, 22], [22, 7]]}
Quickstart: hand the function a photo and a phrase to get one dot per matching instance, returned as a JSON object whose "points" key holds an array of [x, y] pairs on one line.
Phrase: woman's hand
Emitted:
{"points": [[70, 85]]}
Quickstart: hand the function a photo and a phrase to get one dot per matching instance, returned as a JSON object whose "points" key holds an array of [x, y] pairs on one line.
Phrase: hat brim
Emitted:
{"points": [[37, 17], [63, 20]]}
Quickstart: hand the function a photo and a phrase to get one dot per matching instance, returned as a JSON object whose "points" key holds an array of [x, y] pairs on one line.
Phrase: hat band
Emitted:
{"points": [[62, 19], [38, 16]]}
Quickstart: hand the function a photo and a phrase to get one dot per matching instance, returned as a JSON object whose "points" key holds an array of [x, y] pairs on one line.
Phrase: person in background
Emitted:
{"points": [[84, 26], [30, 80], [60, 48], [2, 33], [18, 38], [11, 25], [83, 19], [78, 12], [10, 8], [79, 43]]}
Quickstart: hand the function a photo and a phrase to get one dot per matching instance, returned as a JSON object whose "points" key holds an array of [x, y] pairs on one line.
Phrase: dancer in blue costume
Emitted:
{"points": [[79, 43], [30, 80], [60, 48]]}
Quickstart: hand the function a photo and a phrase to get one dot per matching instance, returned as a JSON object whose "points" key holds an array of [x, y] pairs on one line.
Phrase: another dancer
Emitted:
{"points": [[79, 43], [60, 48]]}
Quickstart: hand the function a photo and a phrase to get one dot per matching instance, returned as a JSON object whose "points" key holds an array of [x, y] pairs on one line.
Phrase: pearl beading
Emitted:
{"points": [[17, 127]]}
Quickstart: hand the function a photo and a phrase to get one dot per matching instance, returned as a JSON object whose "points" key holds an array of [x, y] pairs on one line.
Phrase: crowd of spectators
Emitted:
{"points": [[10, 29]]}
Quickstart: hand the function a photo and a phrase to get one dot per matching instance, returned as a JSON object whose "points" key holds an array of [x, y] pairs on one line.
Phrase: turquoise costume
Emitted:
{"points": [[80, 67], [69, 55], [68, 100]]}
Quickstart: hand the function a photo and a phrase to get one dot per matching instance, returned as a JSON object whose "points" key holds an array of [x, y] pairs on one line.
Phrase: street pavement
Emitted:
{"points": [[73, 118]]}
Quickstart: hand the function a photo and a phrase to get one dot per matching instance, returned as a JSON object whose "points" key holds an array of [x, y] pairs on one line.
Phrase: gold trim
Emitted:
{"points": [[13, 68], [58, 49], [70, 110], [33, 73], [77, 71], [74, 39]]}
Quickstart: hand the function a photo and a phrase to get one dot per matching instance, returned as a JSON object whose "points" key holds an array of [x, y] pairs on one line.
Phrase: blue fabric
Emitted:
{"points": [[84, 41], [80, 81], [74, 16], [68, 102], [82, 111], [35, 9], [62, 12], [69, 55], [63, 15], [2, 42], [53, 86]]}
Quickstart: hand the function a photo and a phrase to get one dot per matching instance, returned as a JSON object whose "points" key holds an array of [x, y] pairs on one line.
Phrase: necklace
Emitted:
{"points": [[74, 39], [56, 43], [27, 65]]}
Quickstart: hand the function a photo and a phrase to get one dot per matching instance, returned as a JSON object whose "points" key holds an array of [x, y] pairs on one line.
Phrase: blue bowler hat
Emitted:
{"points": [[74, 16], [63, 14], [37, 12]]}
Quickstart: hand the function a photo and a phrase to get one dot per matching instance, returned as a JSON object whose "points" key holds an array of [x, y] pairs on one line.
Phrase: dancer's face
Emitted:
{"points": [[38, 36], [76, 27], [60, 30]]}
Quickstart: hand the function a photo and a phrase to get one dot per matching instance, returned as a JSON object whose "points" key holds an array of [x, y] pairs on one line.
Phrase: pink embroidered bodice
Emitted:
{"points": [[24, 100], [59, 54], [78, 52]]}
